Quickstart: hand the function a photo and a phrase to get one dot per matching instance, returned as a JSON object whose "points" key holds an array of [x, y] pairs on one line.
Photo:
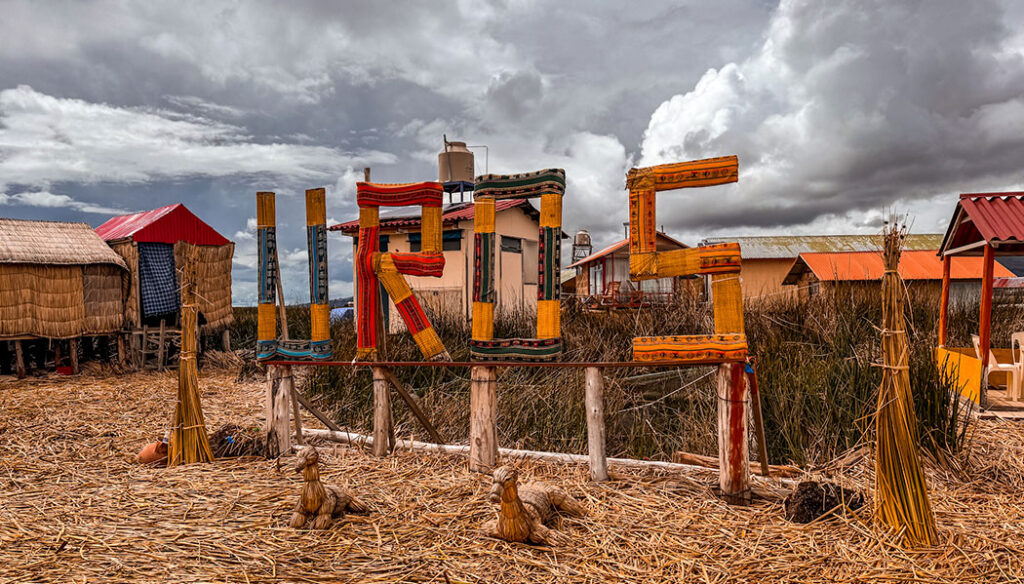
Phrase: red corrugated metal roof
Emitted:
{"points": [[992, 217], [454, 214], [867, 265], [169, 224], [619, 245]]}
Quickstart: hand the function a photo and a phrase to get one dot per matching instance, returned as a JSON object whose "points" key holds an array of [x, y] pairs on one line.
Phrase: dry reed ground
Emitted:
{"points": [[74, 507]]}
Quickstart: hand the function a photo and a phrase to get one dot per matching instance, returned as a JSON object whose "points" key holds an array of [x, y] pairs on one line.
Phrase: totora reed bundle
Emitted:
{"points": [[189, 442], [901, 495]]}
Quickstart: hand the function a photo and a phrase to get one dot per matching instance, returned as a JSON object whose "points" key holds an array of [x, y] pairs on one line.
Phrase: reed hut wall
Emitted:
{"points": [[57, 281], [213, 293]]}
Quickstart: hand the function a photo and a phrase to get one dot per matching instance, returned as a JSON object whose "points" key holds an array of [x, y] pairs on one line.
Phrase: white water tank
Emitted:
{"points": [[455, 163]]}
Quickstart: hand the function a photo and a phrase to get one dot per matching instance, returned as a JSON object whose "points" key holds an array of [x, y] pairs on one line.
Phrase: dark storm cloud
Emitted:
{"points": [[835, 109]]}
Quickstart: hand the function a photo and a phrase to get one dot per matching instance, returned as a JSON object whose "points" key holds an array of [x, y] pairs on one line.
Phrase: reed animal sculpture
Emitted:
{"points": [[524, 510], [319, 502]]}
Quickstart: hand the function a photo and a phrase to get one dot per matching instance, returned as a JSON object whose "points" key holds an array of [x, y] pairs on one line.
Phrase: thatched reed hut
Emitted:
{"points": [[57, 281], [153, 244]]}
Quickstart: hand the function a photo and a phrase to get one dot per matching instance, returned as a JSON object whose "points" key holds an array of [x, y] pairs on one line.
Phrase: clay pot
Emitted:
{"points": [[155, 454]]}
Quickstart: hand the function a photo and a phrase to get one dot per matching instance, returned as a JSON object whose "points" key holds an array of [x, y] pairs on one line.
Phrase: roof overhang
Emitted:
{"points": [[985, 219]]}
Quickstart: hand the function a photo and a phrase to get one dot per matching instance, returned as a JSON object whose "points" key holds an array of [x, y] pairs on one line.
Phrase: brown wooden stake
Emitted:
{"points": [[276, 431], [733, 451], [755, 405], [595, 424], [296, 414], [121, 353], [944, 301], [73, 354], [414, 406], [225, 340], [382, 422], [483, 410], [985, 334], [316, 413], [160, 347], [19, 360]]}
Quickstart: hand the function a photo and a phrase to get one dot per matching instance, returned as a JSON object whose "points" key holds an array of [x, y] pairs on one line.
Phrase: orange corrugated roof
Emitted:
{"points": [[867, 265]]}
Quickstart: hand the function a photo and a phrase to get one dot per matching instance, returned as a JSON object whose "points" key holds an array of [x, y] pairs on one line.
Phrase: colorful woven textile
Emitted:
{"points": [[418, 264], [367, 292], [158, 280], [520, 186], [427, 194], [728, 296], [549, 263], [483, 267], [408, 307], [696, 348], [515, 349], [483, 321], [681, 175], [720, 258], [549, 319]]}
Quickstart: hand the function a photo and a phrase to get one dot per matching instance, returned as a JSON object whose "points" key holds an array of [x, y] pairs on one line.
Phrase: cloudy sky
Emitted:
{"points": [[839, 111]]}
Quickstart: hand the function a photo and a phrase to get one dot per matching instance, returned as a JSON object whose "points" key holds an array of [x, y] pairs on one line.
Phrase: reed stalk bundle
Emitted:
{"points": [[901, 495], [189, 442]]}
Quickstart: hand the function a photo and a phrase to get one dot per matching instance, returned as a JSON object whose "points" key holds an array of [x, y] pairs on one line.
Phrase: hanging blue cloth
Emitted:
{"points": [[158, 281]]}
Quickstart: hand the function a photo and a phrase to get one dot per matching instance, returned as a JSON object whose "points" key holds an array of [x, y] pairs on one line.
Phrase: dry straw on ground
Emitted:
{"points": [[74, 507]]}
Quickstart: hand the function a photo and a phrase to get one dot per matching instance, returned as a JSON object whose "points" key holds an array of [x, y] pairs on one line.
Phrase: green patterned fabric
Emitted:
{"points": [[520, 186], [515, 349]]}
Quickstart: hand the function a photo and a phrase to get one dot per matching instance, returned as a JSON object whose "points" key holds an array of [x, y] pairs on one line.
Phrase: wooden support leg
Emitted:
{"points": [[144, 346], [19, 360], [88, 353], [733, 451], [278, 439], [56, 354], [225, 340], [121, 356], [41, 350], [73, 354], [483, 410], [383, 426], [160, 347], [296, 414], [755, 405], [595, 424]]}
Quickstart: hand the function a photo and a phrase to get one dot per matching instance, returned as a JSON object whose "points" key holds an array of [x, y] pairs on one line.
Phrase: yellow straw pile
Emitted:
{"points": [[189, 442], [901, 495]]}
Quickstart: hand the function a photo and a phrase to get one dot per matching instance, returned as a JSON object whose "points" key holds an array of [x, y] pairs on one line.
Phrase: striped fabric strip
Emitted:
{"points": [[367, 292], [723, 347], [515, 349], [680, 175], [413, 315], [642, 236], [418, 264], [483, 267], [520, 186], [549, 262], [427, 194]]}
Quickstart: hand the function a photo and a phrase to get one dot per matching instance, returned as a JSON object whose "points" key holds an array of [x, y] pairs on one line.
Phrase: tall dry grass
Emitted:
{"points": [[815, 368]]}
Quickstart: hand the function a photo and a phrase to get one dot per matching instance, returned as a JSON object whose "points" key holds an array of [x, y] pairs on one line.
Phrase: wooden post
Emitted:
{"points": [[944, 301], [225, 340], [733, 451], [73, 354], [41, 350], [755, 404], [382, 422], [595, 424], [985, 334], [483, 429], [121, 355], [276, 431], [160, 347], [296, 414], [19, 360]]}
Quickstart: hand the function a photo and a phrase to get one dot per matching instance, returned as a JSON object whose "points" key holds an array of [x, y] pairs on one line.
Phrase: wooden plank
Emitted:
{"points": [[483, 429], [595, 424], [316, 413], [73, 355], [381, 413], [160, 347], [121, 353], [297, 416], [19, 360], [277, 438], [734, 474], [225, 340], [755, 405], [414, 406], [944, 301], [985, 333]]}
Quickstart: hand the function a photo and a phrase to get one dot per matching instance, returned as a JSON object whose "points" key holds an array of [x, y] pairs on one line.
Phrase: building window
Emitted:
{"points": [[450, 241], [511, 244]]}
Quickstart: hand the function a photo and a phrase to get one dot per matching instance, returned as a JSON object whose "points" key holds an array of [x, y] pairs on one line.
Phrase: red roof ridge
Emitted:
{"points": [[991, 195]]}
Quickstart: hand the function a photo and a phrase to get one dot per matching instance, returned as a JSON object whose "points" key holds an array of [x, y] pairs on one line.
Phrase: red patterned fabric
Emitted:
{"points": [[419, 264], [366, 288], [427, 194], [413, 315]]}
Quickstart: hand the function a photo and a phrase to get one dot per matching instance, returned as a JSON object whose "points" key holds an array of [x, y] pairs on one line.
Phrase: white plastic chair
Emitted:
{"points": [[994, 365], [1016, 389]]}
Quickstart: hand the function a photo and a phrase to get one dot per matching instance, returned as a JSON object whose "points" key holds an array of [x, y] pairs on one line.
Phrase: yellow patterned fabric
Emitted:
{"points": [[549, 320], [266, 212], [643, 266], [398, 289], [320, 316], [429, 343], [483, 321], [551, 210], [366, 353], [728, 299], [677, 262], [266, 316], [369, 217], [316, 206], [430, 233], [681, 175], [642, 237], [483, 216], [695, 348]]}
